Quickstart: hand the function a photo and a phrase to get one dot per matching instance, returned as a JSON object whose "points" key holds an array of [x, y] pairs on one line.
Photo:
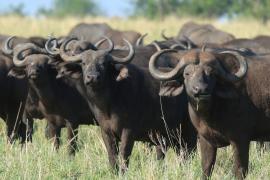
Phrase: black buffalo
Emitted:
{"points": [[61, 104], [96, 31], [125, 101], [12, 100], [200, 34]]}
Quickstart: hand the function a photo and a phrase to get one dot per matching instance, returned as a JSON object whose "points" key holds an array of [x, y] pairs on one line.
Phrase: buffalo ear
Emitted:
{"points": [[226, 92], [73, 70], [123, 72], [54, 62], [75, 75], [171, 88], [16, 73]]}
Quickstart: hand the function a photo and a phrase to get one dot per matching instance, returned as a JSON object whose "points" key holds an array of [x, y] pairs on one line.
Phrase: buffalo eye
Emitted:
{"points": [[83, 63], [186, 74], [189, 69], [208, 71]]}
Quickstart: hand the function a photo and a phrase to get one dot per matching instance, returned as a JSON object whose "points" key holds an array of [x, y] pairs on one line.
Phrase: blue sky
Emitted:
{"points": [[110, 7]]}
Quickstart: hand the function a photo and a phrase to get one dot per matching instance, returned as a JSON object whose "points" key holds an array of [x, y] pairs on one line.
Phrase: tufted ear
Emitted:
{"points": [[53, 62], [72, 70], [228, 62], [16, 73], [123, 72], [171, 88]]}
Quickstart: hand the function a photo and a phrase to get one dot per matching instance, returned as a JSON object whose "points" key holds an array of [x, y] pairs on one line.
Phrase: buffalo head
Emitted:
{"points": [[97, 64], [29, 60], [204, 74]]}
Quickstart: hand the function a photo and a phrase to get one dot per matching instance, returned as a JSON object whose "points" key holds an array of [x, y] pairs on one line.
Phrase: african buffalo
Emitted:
{"points": [[96, 31], [12, 99], [125, 101], [61, 104], [253, 45], [228, 96], [200, 34], [72, 71], [39, 41]]}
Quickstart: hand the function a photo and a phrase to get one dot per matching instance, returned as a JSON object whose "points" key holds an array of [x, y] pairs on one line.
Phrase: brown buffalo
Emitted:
{"points": [[228, 96]]}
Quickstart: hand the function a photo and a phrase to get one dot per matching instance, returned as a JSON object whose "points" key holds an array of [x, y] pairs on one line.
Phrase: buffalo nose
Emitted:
{"points": [[91, 78], [196, 90], [200, 90]]}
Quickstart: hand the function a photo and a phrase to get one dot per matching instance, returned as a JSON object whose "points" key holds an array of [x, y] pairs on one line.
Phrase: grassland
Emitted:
{"points": [[38, 160]]}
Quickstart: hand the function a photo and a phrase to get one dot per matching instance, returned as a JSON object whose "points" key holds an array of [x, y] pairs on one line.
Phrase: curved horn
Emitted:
{"points": [[7, 49], [61, 40], [18, 58], [63, 53], [126, 59], [203, 47], [241, 71], [97, 44], [179, 44], [156, 73], [163, 35], [189, 42], [154, 43], [51, 45], [111, 45], [140, 39]]}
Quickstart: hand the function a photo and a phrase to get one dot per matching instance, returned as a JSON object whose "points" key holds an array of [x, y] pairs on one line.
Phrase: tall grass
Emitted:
{"points": [[38, 160], [241, 28]]}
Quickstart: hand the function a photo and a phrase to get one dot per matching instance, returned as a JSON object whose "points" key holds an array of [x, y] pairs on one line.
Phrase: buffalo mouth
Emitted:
{"points": [[203, 96], [33, 76], [59, 76]]}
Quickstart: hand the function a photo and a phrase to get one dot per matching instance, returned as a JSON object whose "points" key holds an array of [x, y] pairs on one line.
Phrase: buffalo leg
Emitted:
{"points": [[112, 148], [159, 152], [22, 132], [13, 121], [47, 131], [72, 138], [208, 155], [188, 138], [28, 121], [12, 127], [127, 142], [241, 156], [54, 134]]}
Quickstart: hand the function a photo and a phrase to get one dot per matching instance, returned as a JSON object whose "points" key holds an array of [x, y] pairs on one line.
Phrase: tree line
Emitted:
{"points": [[158, 9]]}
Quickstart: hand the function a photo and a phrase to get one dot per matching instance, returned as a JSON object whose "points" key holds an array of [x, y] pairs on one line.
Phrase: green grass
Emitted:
{"points": [[38, 160]]}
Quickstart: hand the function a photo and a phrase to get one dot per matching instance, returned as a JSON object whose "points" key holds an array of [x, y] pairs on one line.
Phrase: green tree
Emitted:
{"points": [[258, 9], [63, 8], [206, 8], [155, 8], [16, 10]]}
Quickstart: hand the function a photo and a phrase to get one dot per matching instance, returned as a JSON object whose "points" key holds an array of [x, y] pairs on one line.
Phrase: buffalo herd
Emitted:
{"points": [[203, 84]]}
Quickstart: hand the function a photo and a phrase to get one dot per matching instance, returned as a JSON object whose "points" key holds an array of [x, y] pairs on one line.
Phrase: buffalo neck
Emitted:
{"points": [[202, 110], [43, 88], [78, 84], [101, 96]]}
